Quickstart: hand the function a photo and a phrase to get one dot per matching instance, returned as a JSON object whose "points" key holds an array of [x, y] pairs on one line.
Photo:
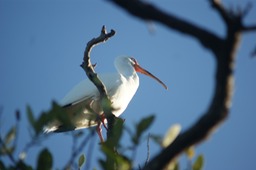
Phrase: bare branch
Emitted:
{"points": [[234, 18], [247, 9], [89, 69], [249, 28], [216, 4], [224, 51], [146, 11], [148, 150], [253, 53]]}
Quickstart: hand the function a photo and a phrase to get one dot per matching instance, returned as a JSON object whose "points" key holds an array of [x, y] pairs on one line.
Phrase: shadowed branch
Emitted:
{"points": [[224, 50], [147, 11], [92, 75]]}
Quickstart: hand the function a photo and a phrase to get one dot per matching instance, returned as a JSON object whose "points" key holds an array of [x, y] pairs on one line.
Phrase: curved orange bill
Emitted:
{"points": [[139, 69]]}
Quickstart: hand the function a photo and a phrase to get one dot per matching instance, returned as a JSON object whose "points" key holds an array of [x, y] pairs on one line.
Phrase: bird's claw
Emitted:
{"points": [[102, 119]]}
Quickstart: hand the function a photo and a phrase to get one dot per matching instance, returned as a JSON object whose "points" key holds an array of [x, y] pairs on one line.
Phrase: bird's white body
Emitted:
{"points": [[121, 87], [82, 103], [120, 91]]}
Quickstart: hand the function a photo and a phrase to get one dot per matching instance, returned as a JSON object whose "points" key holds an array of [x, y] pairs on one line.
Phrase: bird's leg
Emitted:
{"points": [[99, 131], [102, 119]]}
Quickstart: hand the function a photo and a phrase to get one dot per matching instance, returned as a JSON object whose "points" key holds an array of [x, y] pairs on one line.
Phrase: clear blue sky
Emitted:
{"points": [[42, 45]]}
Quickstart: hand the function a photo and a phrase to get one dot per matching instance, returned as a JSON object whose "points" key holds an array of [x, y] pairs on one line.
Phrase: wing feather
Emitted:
{"points": [[82, 103], [86, 89]]}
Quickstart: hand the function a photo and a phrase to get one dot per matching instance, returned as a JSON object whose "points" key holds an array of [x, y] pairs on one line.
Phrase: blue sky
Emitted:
{"points": [[42, 45]]}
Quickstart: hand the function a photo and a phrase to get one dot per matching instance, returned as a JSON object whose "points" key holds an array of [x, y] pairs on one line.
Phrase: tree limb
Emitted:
{"points": [[249, 28], [92, 75], [146, 11], [233, 19], [221, 10], [224, 51]]}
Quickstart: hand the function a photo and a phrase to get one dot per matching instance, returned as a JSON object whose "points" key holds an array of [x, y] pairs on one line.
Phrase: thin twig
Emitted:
{"points": [[17, 125], [2, 143], [249, 28], [79, 149], [73, 153], [8, 153], [148, 150], [221, 10], [90, 154]]}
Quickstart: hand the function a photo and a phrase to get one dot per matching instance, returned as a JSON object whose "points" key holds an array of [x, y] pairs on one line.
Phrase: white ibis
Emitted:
{"points": [[82, 103]]}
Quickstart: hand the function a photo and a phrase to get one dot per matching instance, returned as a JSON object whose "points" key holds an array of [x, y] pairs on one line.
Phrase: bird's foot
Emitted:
{"points": [[99, 132], [102, 119]]}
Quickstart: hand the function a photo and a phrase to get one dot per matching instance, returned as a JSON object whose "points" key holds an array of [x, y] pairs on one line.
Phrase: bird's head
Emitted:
{"points": [[125, 64]]}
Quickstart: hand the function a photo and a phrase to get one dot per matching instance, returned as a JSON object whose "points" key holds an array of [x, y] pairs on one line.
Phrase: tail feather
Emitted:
{"points": [[58, 129]]}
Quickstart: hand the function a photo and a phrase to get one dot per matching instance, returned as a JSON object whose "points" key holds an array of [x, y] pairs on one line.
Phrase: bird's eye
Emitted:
{"points": [[134, 60]]}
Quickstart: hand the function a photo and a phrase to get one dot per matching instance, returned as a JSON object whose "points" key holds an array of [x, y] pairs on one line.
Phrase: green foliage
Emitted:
{"points": [[117, 131], [44, 161], [81, 160], [10, 135], [2, 166], [55, 113], [198, 164], [22, 165], [141, 127], [157, 139], [30, 117], [8, 147], [113, 159]]}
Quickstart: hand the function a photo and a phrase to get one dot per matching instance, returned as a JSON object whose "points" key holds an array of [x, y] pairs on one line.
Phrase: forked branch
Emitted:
{"points": [[92, 75], [224, 50]]}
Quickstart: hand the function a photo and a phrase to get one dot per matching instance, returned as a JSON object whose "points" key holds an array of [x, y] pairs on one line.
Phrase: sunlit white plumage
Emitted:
{"points": [[121, 87]]}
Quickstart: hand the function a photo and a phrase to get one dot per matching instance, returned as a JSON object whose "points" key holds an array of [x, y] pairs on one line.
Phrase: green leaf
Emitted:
{"points": [[2, 165], [114, 138], [10, 135], [103, 164], [198, 165], [30, 116], [142, 126], [114, 159], [44, 161], [22, 165], [171, 134], [81, 160], [7, 150], [56, 112], [110, 157], [176, 167], [157, 139], [173, 165], [190, 152], [42, 121]]}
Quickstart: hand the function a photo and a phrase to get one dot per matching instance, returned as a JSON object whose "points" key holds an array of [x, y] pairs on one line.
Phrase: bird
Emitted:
{"points": [[82, 103]]}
